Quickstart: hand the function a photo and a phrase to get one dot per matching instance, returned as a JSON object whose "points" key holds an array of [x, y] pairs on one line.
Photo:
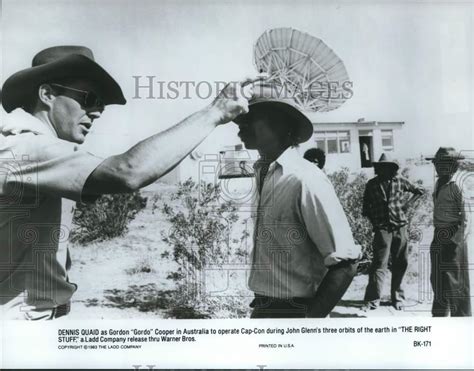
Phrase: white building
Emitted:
{"points": [[354, 144], [347, 144]]}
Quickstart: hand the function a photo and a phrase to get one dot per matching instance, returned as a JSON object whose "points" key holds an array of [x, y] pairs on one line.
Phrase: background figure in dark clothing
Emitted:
{"points": [[386, 199], [316, 156], [448, 251]]}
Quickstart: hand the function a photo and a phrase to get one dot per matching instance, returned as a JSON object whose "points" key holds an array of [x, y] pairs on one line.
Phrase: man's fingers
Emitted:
{"points": [[251, 80], [247, 91], [245, 109]]}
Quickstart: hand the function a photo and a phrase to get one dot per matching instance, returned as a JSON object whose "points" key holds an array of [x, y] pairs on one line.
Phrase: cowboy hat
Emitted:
{"points": [[273, 97], [56, 63], [386, 160], [446, 154]]}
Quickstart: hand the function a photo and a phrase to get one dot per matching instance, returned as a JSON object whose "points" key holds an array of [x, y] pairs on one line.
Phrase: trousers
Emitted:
{"points": [[386, 243], [267, 307], [450, 273]]}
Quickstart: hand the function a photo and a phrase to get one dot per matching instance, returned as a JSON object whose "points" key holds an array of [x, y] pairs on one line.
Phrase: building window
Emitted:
{"points": [[387, 140], [333, 141]]}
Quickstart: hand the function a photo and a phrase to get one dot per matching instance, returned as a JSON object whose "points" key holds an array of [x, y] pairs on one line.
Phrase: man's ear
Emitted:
{"points": [[46, 94]]}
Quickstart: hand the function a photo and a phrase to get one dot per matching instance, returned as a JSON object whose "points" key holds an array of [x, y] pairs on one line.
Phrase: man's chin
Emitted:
{"points": [[79, 139]]}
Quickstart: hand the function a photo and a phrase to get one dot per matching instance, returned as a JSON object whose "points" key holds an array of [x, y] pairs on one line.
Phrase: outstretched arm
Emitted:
{"points": [[155, 156]]}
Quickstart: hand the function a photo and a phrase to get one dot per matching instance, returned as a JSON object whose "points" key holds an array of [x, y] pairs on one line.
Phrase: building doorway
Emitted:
{"points": [[366, 148]]}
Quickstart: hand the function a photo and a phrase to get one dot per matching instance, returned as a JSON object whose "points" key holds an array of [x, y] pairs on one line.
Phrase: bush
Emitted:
{"points": [[351, 193], [199, 237], [106, 218], [420, 214], [350, 190]]}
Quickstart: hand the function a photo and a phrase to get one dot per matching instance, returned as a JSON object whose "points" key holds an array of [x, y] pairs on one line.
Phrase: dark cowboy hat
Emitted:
{"points": [[386, 160], [273, 97], [54, 64], [446, 154]]}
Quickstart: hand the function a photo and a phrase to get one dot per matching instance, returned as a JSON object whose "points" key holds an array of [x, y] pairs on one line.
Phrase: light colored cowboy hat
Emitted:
{"points": [[274, 97], [386, 160], [56, 63], [446, 154]]}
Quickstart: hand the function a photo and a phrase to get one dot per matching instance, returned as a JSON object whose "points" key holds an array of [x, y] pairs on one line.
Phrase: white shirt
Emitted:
{"points": [[300, 229], [41, 177]]}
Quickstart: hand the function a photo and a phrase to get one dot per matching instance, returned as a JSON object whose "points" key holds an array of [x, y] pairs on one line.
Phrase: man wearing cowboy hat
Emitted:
{"points": [[304, 256], [52, 107], [448, 251], [386, 199]]}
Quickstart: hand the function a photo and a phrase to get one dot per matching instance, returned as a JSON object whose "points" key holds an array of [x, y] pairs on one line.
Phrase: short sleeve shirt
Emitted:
{"points": [[41, 177]]}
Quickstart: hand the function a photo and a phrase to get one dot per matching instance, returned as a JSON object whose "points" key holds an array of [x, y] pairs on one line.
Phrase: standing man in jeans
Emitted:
{"points": [[386, 199], [448, 252]]}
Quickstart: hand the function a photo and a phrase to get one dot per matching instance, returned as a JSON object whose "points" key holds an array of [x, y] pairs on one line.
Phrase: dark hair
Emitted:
{"points": [[316, 155]]}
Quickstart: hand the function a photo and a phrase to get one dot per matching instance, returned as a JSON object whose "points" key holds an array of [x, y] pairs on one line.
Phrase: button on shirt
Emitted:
{"points": [[300, 229], [383, 203], [41, 177]]}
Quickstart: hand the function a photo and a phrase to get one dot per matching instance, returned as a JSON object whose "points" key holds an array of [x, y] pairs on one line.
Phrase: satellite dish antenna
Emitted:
{"points": [[305, 66]]}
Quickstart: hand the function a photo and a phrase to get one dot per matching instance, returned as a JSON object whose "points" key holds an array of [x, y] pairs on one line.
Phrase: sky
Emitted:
{"points": [[409, 61]]}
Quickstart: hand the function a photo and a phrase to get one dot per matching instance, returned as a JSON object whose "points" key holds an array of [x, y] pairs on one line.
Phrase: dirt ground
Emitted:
{"points": [[126, 278]]}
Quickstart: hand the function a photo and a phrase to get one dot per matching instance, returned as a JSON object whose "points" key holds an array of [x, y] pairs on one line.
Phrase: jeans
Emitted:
{"points": [[449, 274], [386, 243]]}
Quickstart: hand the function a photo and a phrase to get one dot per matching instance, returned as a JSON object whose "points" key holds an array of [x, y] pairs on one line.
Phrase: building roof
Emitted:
{"points": [[362, 123]]}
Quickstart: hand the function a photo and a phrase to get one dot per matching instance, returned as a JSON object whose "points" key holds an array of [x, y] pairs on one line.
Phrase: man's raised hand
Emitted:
{"points": [[232, 101]]}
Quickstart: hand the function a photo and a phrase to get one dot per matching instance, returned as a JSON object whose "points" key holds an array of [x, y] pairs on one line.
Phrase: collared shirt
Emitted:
{"points": [[40, 178], [387, 210], [450, 206], [300, 229]]}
